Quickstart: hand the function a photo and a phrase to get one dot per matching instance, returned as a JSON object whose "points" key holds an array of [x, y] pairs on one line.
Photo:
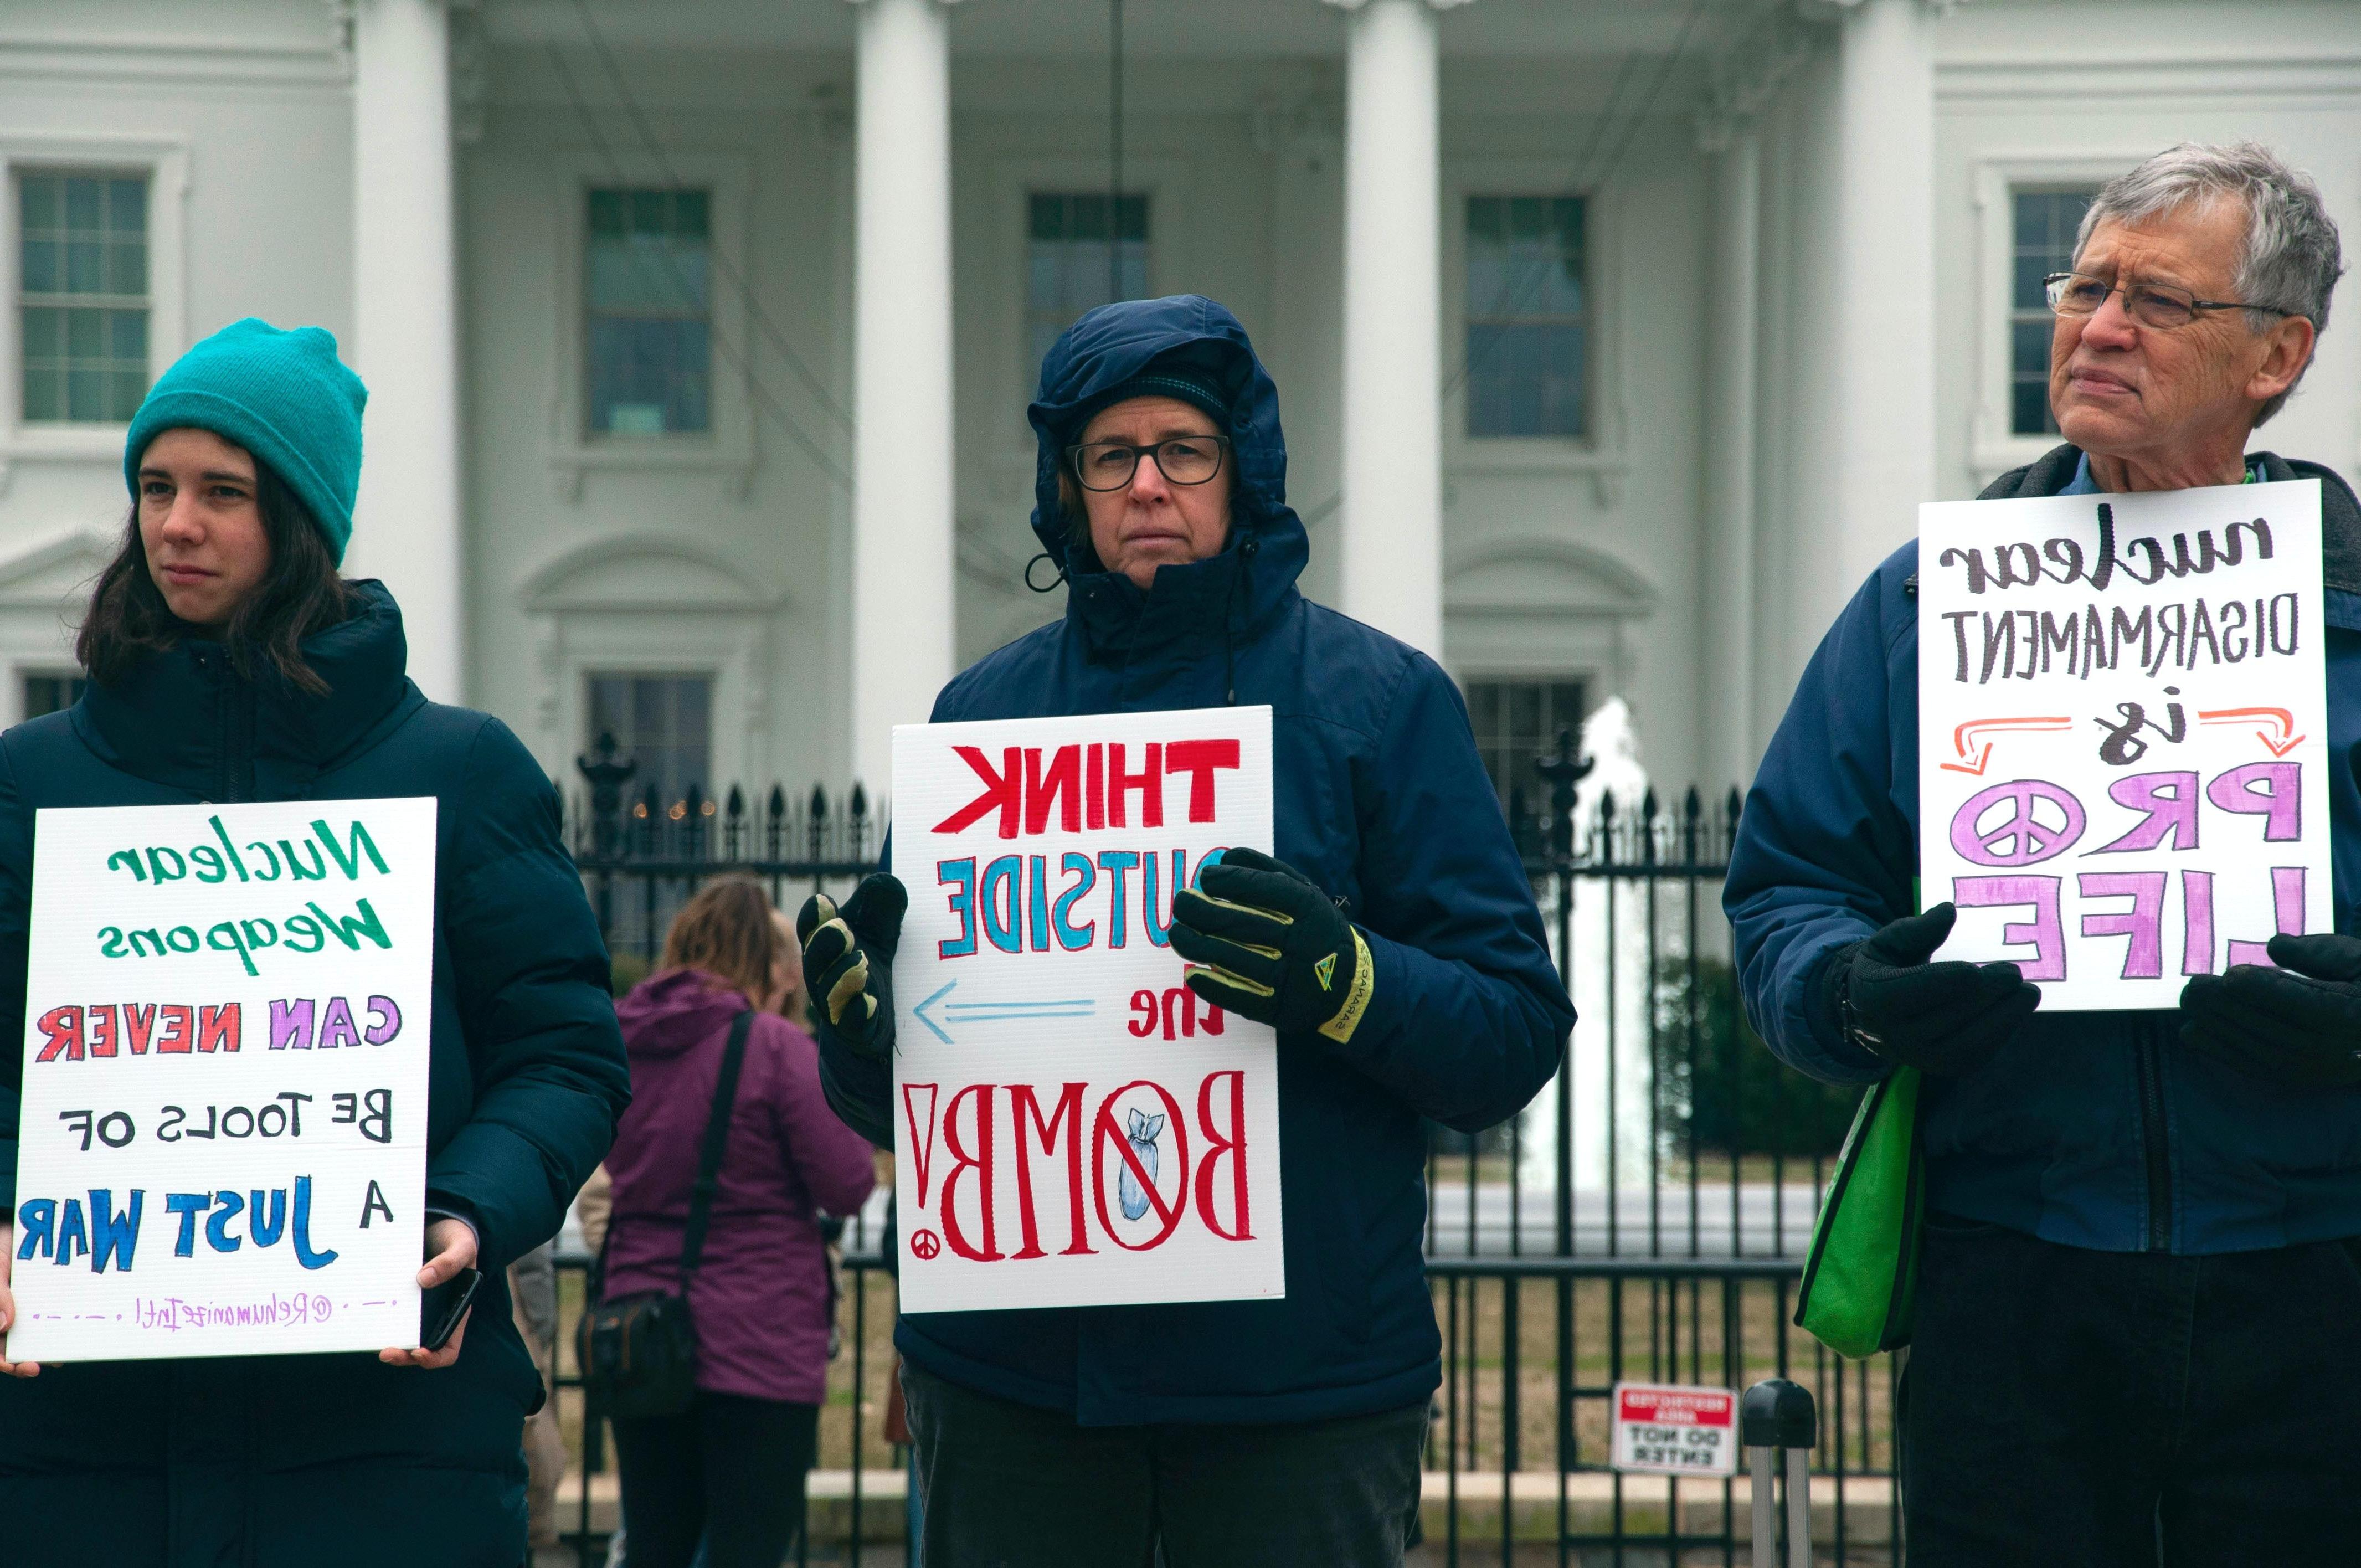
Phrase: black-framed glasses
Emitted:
{"points": [[2150, 304], [1182, 460]]}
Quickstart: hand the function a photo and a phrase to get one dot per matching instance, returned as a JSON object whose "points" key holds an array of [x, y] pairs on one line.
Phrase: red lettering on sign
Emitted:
{"points": [[961, 1162], [1199, 759], [1216, 1146], [1063, 783], [1001, 793], [1024, 1107], [922, 1139], [1149, 782], [63, 1026]]}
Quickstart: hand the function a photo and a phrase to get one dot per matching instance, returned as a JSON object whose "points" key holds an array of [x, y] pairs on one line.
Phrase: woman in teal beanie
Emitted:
{"points": [[229, 662]]}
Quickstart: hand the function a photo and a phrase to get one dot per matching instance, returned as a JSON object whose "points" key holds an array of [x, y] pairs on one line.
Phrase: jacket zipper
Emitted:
{"points": [[2159, 1142]]}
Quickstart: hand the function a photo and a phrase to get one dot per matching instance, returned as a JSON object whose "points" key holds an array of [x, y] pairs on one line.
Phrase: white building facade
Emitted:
{"points": [[1616, 341]]}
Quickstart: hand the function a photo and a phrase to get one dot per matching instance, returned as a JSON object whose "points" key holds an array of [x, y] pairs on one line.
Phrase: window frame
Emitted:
{"points": [[1522, 313], [1601, 454], [22, 672], [714, 281], [592, 670], [1025, 303], [1167, 182], [163, 162], [1993, 447], [64, 298], [1585, 683], [2021, 315], [728, 446]]}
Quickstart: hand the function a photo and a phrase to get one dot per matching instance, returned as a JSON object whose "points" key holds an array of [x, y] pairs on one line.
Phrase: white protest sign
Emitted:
{"points": [[2123, 723], [1072, 1126], [1674, 1428], [223, 1139]]}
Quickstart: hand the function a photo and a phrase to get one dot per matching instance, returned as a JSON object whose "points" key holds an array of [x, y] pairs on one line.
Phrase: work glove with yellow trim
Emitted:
{"points": [[849, 963], [1263, 941]]}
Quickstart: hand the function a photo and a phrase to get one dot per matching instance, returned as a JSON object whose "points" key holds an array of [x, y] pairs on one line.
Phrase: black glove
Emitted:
{"points": [[1947, 1019], [849, 962], [2299, 1025], [1263, 941]]}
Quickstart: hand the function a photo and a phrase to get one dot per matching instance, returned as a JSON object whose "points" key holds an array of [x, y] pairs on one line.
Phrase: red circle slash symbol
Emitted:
{"points": [[925, 1243], [2040, 820]]}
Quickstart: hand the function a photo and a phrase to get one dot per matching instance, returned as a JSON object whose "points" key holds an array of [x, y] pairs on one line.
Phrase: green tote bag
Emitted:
{"points": [[1859, 1277]]}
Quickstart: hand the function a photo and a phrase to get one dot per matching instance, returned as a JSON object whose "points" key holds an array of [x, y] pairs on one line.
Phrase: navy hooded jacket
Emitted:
{"points": [[1382, 800], [2089, 1129]]}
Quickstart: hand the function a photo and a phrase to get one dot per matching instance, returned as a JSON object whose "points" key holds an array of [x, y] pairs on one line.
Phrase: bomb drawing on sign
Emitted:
{"points": [[1144, 1130]]}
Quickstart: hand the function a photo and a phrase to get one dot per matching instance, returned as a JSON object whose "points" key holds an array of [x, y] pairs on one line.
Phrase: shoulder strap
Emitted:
{"points": [[716, 1133]]}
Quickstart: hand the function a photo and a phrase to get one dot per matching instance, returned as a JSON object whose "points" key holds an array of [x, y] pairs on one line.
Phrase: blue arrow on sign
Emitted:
{"points": [[998, 1012]]}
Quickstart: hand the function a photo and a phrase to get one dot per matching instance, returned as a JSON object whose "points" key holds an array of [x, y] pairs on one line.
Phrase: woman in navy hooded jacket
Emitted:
{"points": [[1393, 943], [228, 661]]}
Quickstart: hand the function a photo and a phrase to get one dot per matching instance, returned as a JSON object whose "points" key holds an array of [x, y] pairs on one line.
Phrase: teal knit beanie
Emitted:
{"points": [[283, 396]]}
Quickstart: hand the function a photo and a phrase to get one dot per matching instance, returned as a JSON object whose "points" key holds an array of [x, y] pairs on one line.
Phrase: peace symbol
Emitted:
{"points": [[2024, 836], [925, 1243]]}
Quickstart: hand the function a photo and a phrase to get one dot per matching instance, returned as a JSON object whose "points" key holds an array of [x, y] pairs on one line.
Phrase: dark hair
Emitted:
{"points": [[301, 593], [726, 930]]}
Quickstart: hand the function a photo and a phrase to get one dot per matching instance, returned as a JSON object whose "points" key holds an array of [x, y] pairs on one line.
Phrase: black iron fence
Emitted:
{"points": [[1644, 1219]]}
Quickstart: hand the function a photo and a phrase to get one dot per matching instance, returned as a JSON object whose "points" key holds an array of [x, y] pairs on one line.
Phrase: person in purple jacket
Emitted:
{"points": [[730, 1470]]}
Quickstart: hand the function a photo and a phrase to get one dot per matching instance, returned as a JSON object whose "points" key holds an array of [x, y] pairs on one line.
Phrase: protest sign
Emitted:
{"points": [[223, 1136], [2123, 724], [1672, 1428], [1073, 1127]]}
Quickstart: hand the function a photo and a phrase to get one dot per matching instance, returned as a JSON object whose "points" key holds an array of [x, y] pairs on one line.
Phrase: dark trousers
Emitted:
{"points": [[2104, 1409], [730, 1471], [1007, 1485]]}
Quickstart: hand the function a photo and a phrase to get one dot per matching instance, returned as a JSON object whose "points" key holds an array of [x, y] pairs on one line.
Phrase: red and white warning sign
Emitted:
{"points": [[1674, 1430]]}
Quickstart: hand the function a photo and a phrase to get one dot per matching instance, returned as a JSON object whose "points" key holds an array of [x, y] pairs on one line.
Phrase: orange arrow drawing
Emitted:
{"points": [[1973, 759], [2244, 715]]}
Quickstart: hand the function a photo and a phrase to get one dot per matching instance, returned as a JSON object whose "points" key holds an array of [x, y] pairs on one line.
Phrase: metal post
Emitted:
{"points": [[1778, 1415]]}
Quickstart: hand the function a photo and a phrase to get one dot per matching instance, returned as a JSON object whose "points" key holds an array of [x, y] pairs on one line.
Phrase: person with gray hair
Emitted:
{"points": [[2143, 1238]]}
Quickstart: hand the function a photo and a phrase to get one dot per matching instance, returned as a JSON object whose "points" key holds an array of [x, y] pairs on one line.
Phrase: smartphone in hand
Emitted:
{"points": [[441, 1307]]}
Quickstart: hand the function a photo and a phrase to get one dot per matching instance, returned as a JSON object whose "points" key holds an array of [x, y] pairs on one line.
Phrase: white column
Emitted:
{"points": [[903, 547], [1884, 346], [1392, 448], [406, 330], [1726, 576]]}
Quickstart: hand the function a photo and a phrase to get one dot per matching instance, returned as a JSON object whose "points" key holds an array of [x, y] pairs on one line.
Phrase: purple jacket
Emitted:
{"points": [[761, 1298]]}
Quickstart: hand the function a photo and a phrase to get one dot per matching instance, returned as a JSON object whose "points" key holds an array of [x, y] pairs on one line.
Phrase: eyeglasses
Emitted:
{"points": [[2150, 304], [1182, 460]]}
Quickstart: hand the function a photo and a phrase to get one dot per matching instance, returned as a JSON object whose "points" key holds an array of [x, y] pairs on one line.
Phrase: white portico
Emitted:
{"points": [[1615, 342]]}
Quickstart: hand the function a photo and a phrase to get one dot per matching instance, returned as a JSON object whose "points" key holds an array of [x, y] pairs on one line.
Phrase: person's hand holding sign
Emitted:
{"points": [[8, 1308], [849, 962], [2299, 1025], [450, 1248], [1263, 941], [1948, 1018]]}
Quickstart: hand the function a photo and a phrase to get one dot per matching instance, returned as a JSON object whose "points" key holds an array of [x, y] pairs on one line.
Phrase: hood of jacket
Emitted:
{"points": [[186, 719], [667, 1015], [1229, 595]]}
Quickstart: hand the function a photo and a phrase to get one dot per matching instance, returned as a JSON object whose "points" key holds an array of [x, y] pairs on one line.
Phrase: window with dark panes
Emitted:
{"points": [[663, 723], [50, 691], [1082, 251], [82, 300], [647, 297], [1528, 317], [2043, 225], [1516, 723]]}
